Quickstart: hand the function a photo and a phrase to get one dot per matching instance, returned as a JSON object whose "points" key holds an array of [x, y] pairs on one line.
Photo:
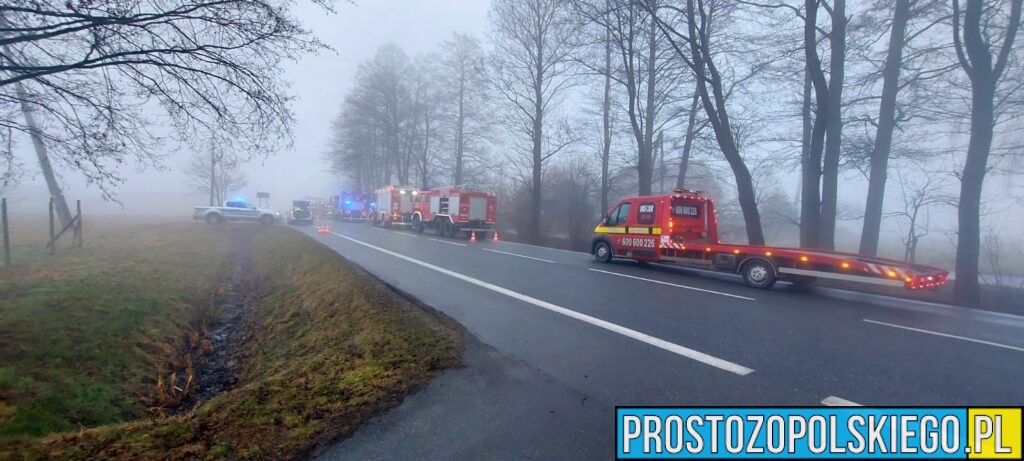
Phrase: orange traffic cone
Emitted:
{"points": [[472, 237], [495, 238]]}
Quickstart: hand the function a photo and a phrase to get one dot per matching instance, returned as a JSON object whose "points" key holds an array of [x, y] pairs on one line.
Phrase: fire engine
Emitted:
{"points": [[350, 207], [450, 210], [394, 206], [682, 229]]}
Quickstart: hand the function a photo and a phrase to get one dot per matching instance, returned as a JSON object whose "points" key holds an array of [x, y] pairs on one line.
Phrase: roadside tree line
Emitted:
{"points": [[640, 96]]}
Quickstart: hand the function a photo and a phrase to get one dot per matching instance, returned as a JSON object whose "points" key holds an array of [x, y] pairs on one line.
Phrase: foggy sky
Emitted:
{"points": [[318, 81]]}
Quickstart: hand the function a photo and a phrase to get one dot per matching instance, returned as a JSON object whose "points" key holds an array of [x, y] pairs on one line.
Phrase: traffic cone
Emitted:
{"points": [[495, 238], [472, 237]]}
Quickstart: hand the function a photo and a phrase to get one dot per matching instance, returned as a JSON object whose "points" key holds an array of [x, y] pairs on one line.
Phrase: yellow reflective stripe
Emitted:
{"points": [[627, 230]]}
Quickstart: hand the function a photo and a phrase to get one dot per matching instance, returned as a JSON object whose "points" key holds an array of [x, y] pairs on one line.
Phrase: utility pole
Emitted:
{"points": [[213, 176]]}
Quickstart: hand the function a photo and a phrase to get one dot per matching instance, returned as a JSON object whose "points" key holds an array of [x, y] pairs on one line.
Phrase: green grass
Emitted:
{"points": [[82, 332], [326, 347]]}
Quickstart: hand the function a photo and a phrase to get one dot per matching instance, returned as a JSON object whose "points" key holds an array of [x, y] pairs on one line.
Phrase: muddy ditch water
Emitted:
{"points": [[217, 371]]}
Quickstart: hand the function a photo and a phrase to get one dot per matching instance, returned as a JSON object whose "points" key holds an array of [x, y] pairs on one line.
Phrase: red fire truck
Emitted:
{"points": [[394, 206], [681, 228], [451, 210]]}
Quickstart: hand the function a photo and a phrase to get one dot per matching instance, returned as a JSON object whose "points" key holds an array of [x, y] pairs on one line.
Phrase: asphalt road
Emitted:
{"points": [[558, 340]]}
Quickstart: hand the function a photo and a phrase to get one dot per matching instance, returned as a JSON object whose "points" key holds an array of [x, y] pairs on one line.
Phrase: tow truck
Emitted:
{"points": [[450, 210], [682, 229]]}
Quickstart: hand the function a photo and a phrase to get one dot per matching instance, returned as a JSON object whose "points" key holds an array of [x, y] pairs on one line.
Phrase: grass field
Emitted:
{"points": [[90, 340]]}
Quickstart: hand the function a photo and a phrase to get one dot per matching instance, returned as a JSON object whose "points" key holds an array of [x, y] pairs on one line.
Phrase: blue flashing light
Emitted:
{"points": [[348, 202], [239, 199]]}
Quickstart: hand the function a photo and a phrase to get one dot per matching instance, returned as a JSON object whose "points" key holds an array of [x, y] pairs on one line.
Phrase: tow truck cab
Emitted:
{"points": [[681, 228], [640, 227]]}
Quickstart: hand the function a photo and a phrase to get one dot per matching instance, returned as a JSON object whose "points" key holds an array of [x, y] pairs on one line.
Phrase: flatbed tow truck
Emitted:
{"points": [[682, 229]]}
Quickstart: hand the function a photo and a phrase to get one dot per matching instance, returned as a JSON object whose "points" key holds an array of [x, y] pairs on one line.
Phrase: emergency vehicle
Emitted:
{"points": [[351, 207], [393, 206], [450, 210], [682, 229]]}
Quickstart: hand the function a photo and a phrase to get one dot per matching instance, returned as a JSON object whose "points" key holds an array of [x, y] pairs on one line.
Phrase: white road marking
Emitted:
{"points": [[443, 241], [674, 285], [946, 335], [615, 328], [403, 234], [519, 255], [545, 248], [833, 401]]}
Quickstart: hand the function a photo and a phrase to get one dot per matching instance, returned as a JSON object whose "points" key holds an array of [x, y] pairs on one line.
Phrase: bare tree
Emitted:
{"points": [[87, 70], [466, 80], [886, 126], [983, 27], [426, 118], [700, 17], [821, 164], [215, 174], [374, 139], [918, 197], [533, 45], [606, 120]]}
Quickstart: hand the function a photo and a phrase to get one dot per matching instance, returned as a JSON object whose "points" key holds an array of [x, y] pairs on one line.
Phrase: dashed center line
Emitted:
{"points": [[445, 241], [706, 359], [674, 284], [945, 335], [519, 255], [833, 401]]}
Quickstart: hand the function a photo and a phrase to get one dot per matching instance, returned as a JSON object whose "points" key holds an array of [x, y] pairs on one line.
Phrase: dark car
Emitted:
{"points": [[300, 213]]}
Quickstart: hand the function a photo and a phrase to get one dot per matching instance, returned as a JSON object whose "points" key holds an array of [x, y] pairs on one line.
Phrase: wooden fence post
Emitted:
{"points": [[53, 245], [7, 232]]}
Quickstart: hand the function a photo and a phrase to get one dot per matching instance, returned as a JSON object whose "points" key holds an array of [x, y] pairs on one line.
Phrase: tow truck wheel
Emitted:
{"points": [[417, 224], [213, 218], [759, 273], [603, 252]]}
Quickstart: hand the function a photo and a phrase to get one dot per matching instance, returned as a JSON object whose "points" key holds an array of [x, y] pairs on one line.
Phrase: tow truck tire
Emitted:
{"points": [[759, 273], [266, 220], [213, 218], [417, 224], [603, 252]]}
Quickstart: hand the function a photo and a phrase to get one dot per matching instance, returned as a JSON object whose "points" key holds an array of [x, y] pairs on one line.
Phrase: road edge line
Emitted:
{"points": [[683, 351]]}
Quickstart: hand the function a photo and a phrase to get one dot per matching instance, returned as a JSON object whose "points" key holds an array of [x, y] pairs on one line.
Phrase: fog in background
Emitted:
{"points": [[318, 83]]}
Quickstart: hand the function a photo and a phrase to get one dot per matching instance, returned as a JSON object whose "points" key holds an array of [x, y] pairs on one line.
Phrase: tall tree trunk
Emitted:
{"points": [[718, 116], [833, 143], [534, 231], [61, 205], [886, 126], [606, 110], [984, 78], [810, 191], [691, 132], [646, 161], [460, 122], [660, 143]]}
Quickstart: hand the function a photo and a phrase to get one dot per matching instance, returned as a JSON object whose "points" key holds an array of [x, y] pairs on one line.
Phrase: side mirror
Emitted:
{"points": [[607, 221]]}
